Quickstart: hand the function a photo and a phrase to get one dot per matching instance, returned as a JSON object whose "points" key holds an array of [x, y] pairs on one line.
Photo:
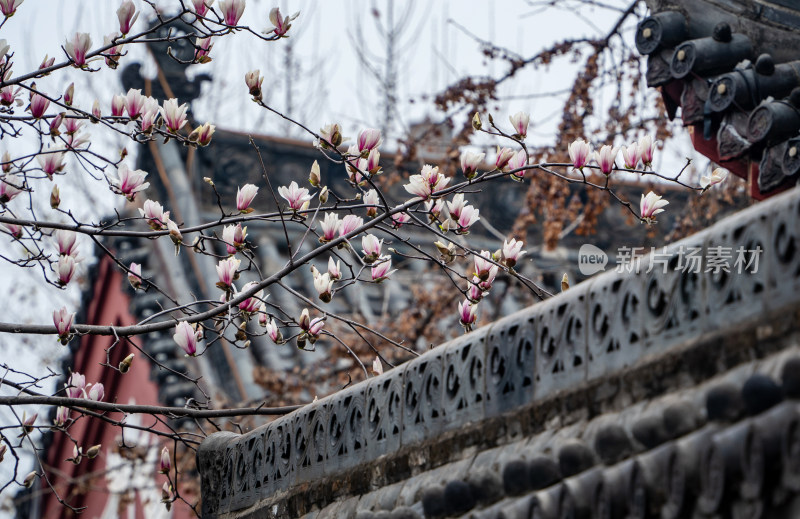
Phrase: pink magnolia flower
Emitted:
{"points": [[51, 161], [62, 416], [129, 182], [371, 247], [28, 422], [234, 237], [469, 215], [96, 392], [350, 223], [503, 156], [72, 125], [202, 50], [470, 162], [651, 205], [433, 177], [296, 196], [399, 219], [456, 206], [135, 275], [231, 11], [605, 158], [96, 109], [311, 327], [9, 7], [512, 252], [166, 461], [69, 94], [174, 115], [467, 314], [323, 284], [244, 197], [579, 152], [8, 95], [254, 80], [13, 229], [520, 121], [38, 105], [369, 139], [201, 6], [417, 186], [646, 148], [273, 332], [330, 226], [717, 176], [77, 141], [9, 188], [329, 135], [518, 160], [281, 24], [63, 321], [134, 103], [372, 200], [127, 16], [372, 162], [114, 53], [202, 134], [156, 216], [484, 268], [630, 155], [47, 62], [118, 104], [78, 47], [187, 337], [226, 270], [76, 385], [67, 243], [382, 270], [55, 123], [334, 269], [474, 291], [251, 304], [65, 269]]}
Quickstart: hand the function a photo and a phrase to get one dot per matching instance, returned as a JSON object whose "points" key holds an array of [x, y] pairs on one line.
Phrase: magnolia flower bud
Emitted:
{"points": [[125, 365], [323, 195], [28, 481], [135, 276], [564, 282], [93, 451], [96, 111], [377, 367], [166, 461], [69, 94], [6, 162], [55, 197], [313, 177], [476, 121]]}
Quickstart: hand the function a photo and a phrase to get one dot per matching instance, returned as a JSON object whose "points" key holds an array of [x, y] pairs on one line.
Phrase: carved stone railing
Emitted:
{"points": [[609, 323]]}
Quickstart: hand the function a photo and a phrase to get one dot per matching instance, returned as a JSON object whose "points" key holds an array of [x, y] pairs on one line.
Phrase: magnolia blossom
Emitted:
{"points": [[273, 332], [716, 176], [29, 479], [67, 242], [470, 162], [96, 392], [231, 10], [296, 196], [651, 205], [334, 269], [166, 461], [135, 275], [382, 270], [399, 219], [201, 6], [96, 110], [47, 62], [156, 216], [427, 182], [38, 105], [78, 47], [187, 337], [520, 121], [484, 268], [72, 125], [13, 229], [114, 53], [251, 304], [512, 252], [330, 226], [55, 123], [371, 247], [372, 200], [28, 422], [226, 270], [8, 188], [65, 269], [469, 215], [8, 95], [323, 284], [202, 50], [281, 24], [234, 237], [244, 197], [630, 154], [369, 139], [350, 223], [55, 197], [127, 16], [129, 182], [63, 321], [467, 314], [371, 163], [579, 152], [646, 147], [474, 291], [51, 161], [134, 103], [174, 115], [330, 134], [62, 416], [377, 367], [456, 206], [254, 79], [517, 161], [605, 158], [76, 385], [436, 209], [503, 156], [69, 94], [9, 7], [311, 326], [174, 234], [202, 134]]}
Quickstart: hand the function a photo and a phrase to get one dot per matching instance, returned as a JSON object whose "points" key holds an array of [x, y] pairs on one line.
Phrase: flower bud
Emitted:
{"points": [[69, 94], [29, 479], [166, 461], [55, 197], [125, 365], [96, 111], [564, 282], [476, 121], [93, 451], [323, 195], [314, 177]]}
